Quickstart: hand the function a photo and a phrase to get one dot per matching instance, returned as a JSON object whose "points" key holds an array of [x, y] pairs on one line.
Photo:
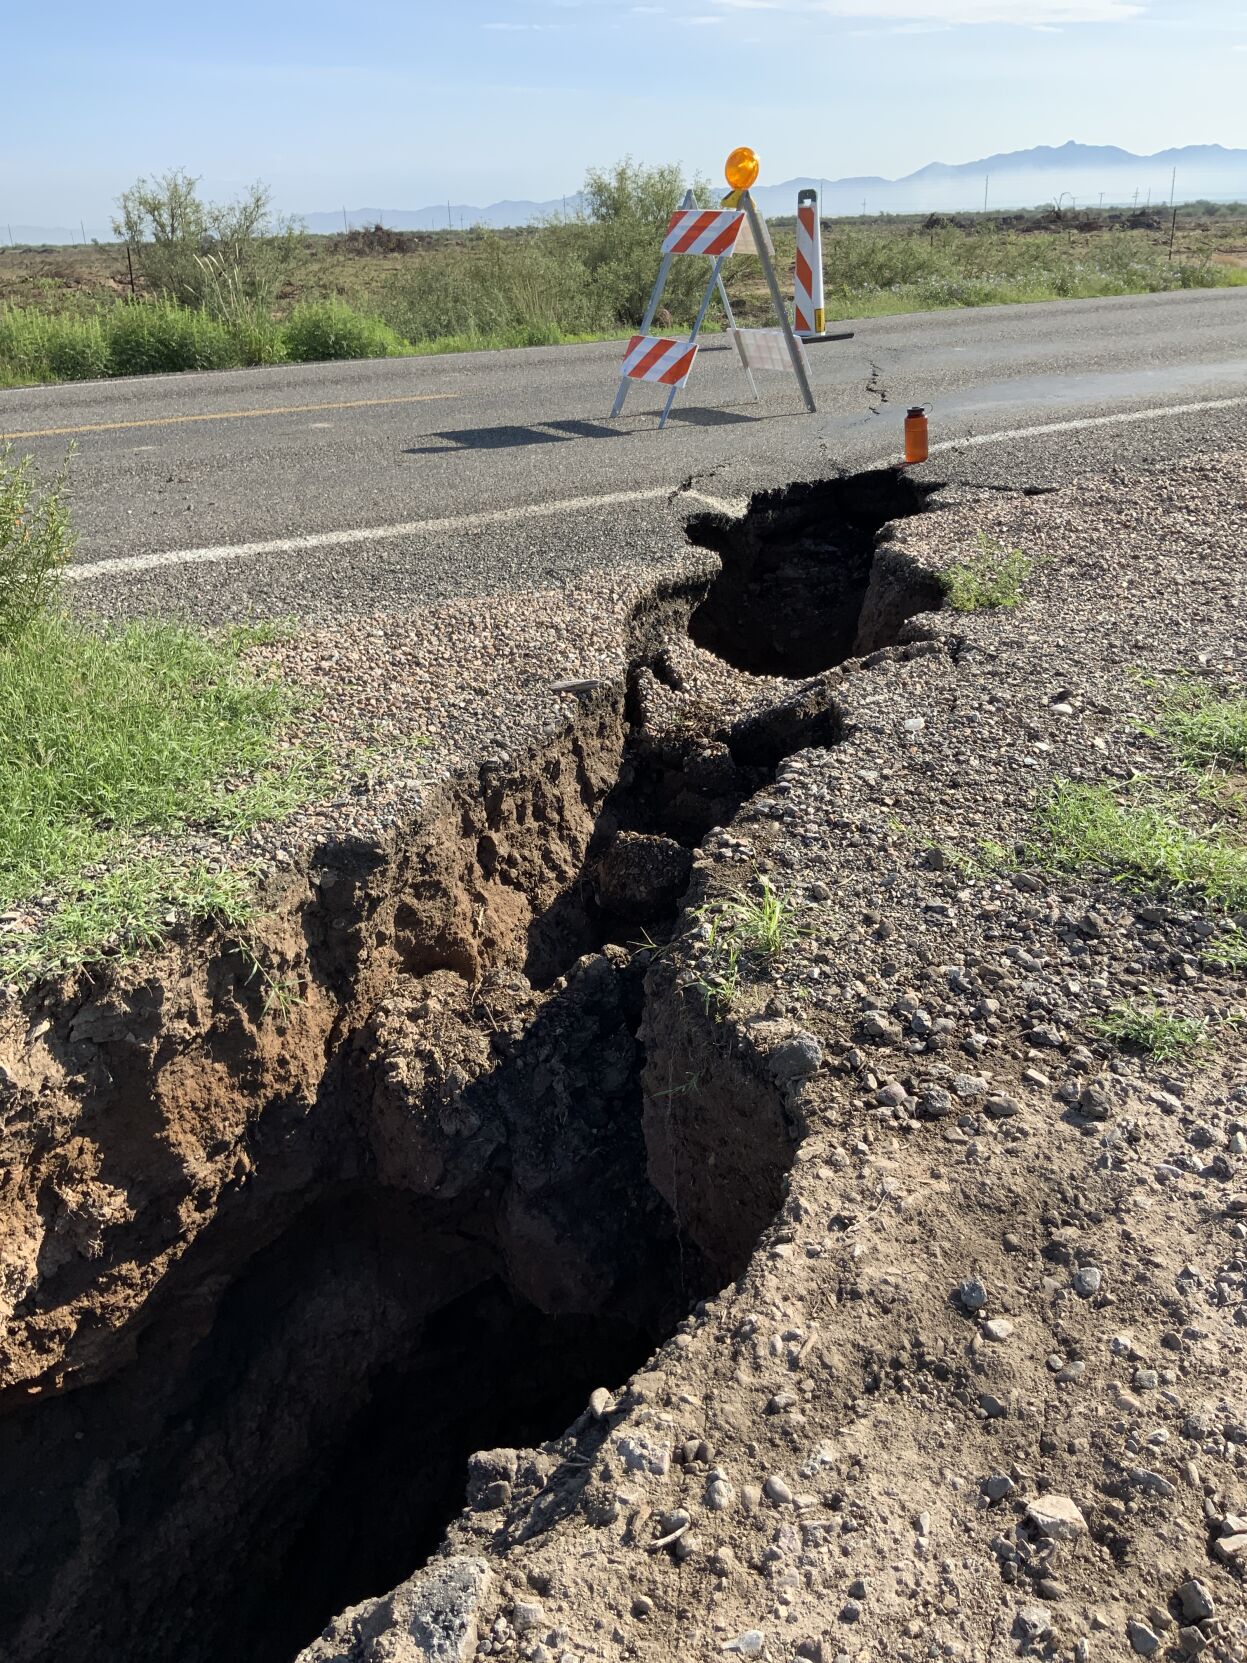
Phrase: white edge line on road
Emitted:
{"points": [[363, 534], [542, 510], [1001, 434]]}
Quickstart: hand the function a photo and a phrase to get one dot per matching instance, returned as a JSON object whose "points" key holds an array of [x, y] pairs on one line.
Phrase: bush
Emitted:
{"points": [[148, 337], [325, 329], [35, 542], [35, 346], [224, 258]]}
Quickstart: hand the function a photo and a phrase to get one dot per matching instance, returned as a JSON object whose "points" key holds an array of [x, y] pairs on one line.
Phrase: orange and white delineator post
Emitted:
{"points": [[716, 233], [808, 283]]}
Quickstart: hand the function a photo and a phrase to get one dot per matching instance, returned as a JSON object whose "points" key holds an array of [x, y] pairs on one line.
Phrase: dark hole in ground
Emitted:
{"points": [[796, 569], [311, 1448], [291, 1435]]}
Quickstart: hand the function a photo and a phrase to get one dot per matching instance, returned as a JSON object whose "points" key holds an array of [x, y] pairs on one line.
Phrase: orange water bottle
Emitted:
{"points": [[915, 434]]}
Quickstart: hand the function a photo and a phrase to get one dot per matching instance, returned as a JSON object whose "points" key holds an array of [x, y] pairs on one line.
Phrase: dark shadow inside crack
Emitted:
{"points": [[794, 596]]}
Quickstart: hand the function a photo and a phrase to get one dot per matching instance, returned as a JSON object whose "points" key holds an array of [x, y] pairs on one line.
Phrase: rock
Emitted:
{"points": [[430, 1618], [879, 1026], [778, 1490], [1032, 1625], [936, 1103], [1087, 1279], [972, 1294], [527, 1615], [1001, 1107], [640, 876], [1191, 1641], [1146, 1380], [752, 1643], [998, 1486], [641, 1454], [642, 1606], [892, 1095], [601, 1403], [1233, 1549], [1057, 1517], [719, 1495], [490, 1471], [793, 1058], [998, 1329], [1094, 1101], [1197, 1601], [1141, 1637], [850, 1611], [1144, 1479]]}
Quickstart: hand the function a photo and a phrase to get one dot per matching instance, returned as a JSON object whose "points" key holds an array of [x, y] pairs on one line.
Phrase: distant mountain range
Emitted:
{"points": [[1012, 179]]}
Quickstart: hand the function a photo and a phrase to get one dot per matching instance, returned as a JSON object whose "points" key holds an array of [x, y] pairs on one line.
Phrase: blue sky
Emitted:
{"points": [[385, 104]]}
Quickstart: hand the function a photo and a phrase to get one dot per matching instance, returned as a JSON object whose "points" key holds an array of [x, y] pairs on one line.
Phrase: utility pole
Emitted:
{"points": [[1101, 201], [863, 207], [1136, 198], [987, 181], [12, 244], [1173, 180], [82, 226], [450, 218], [345, 226]]}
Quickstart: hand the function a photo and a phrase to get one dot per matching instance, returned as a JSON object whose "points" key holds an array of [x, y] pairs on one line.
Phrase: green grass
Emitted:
{"points": [[120, 913], [144, 727], [739, 929], [1206, 731], [1228, 952], [993, 578], [1085, 829], [158, 336], [1148, 1028], [327, 329]]}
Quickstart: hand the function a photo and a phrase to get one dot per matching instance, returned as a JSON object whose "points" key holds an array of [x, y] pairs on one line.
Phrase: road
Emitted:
{"points": [[332, 489]]}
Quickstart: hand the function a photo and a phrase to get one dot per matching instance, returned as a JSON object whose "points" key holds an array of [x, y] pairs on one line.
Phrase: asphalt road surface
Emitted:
{"points": [[332, 489]]}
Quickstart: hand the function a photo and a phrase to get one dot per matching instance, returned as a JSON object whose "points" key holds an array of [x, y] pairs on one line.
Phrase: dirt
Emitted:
{"points": [[752, 1321]]}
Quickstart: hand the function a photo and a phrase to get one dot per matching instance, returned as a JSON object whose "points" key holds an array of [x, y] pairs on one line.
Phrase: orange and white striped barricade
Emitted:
{"points": [[660, 359], [713, 233], [811, 317]]}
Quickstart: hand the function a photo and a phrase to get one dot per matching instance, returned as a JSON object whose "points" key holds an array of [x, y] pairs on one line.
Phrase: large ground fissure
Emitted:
{"points": [[461, 1229]]}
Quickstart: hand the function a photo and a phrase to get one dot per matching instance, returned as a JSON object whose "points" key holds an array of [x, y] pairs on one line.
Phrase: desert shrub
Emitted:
{"points": [[148, 337], [218, 256], [324, 329]]}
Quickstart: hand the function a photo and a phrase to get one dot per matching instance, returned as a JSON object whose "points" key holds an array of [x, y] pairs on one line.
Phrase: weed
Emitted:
{"points": [[35, 543], [282, 991], [326, 329], [1149, 1028], [738, 929], [991, 579], [1228, 952], [1207, 731], [1087, 829]]}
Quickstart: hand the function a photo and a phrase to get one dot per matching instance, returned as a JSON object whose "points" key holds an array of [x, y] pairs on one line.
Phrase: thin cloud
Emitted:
{"points": [[946, 13]]}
